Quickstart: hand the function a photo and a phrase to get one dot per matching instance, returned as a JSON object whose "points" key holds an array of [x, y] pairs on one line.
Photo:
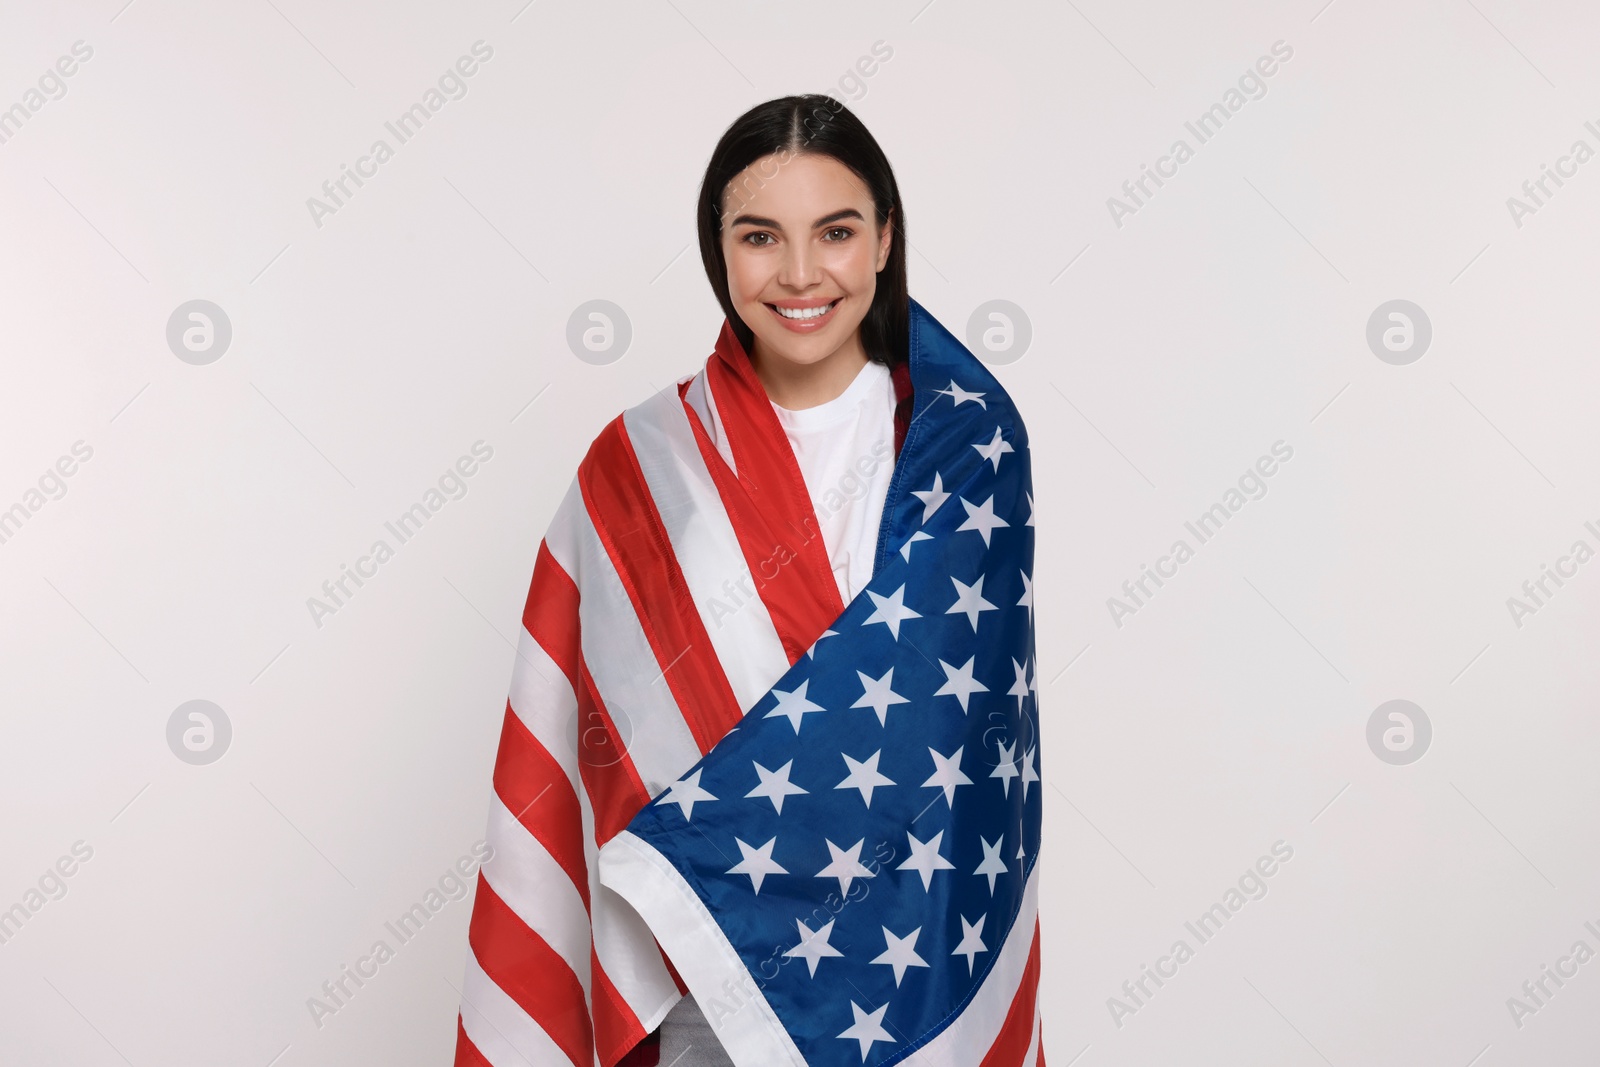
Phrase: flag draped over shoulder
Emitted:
{"points": [[822, 819]]}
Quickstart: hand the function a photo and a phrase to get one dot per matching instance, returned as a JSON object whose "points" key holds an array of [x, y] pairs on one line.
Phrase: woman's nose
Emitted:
{"points": [[800, 268]]}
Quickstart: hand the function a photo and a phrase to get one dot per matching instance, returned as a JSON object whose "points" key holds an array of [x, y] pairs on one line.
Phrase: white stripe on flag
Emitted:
{"points": [[706, 547], [498, 1026], [705, 405], [542, 699], [628, 954], [537, 889], [974, 1030], [616, 651]]}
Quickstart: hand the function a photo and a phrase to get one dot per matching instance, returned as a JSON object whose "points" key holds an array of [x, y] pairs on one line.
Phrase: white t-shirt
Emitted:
{"points": [[845, 449]]}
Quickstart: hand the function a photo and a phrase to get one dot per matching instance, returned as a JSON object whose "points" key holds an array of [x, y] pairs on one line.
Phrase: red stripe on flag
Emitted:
{"points": [[616, 792], [800, 607], [1016, 1033], [795, 604], [534, 788], [773, 487], [616, 1027], [531, 973], [630, 528], [467, 1054], [550, 611]]}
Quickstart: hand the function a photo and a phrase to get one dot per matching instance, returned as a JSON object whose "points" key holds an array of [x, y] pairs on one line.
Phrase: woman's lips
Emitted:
{"points": [[811, 325]]}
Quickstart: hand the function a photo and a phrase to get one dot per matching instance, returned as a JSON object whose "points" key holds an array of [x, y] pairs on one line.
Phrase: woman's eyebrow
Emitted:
{"points": [[772, 224]]}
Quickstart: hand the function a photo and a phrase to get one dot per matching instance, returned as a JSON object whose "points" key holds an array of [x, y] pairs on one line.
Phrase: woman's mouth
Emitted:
{"points": [[806, 318]]}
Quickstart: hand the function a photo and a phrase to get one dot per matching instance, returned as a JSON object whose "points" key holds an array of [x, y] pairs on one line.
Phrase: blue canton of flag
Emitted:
{"points": [[852, 867]]}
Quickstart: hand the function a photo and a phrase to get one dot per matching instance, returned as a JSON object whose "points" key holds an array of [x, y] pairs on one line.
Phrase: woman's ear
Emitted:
{"points": [[885, 242]]}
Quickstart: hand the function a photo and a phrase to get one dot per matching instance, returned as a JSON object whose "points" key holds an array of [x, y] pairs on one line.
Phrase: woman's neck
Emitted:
{"points": [[797, 386]]}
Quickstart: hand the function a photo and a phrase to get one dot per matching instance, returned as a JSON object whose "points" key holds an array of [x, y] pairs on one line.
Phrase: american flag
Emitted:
{"points": [[824, 819]]}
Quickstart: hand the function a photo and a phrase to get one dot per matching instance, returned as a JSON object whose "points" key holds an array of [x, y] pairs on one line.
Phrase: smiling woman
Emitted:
{"points": [[737, 562]]}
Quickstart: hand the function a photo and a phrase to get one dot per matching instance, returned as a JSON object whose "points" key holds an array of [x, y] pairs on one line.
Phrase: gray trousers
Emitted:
{"points": [[687, 1039]]}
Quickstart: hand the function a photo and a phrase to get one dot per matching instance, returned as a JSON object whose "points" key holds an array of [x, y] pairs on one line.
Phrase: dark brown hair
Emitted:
{"points": [[816, 125]]}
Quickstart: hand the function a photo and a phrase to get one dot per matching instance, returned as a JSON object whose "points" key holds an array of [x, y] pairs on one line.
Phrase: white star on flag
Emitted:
{"points": [[900, 953], [931, 498], [891, 611], [876, 694], [947, 774], [864, 776], [962, 396], [1019, 688], [775, 785], [793, 704], [969, 601], [925, 858], [971, 940], [905, 549], [757, 863], [992, 864], [996, 448], [846, 865], [1021, 852], [814, 945], [684, 792], [1030, 770], [867, 1028], [1007, 769], [1027, 594], [960, 683], [981, 517], [825, 633], [1030, 510]]}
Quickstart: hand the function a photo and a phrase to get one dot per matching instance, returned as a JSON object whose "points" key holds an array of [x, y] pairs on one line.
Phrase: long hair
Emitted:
{"points": [[817, 125]]}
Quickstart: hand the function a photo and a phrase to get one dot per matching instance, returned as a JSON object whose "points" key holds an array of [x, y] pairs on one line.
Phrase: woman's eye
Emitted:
{"points": [[845, 231], [750, 238]]}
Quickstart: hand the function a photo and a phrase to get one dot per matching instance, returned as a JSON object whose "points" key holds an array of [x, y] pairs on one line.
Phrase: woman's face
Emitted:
{"points": [[799, 235]]}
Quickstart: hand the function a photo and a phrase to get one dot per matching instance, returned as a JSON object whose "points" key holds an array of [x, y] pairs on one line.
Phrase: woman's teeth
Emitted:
{"points": [[805, 313]]}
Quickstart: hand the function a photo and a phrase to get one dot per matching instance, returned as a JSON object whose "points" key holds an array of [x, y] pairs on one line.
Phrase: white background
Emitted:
{"points": [[371, 351]]}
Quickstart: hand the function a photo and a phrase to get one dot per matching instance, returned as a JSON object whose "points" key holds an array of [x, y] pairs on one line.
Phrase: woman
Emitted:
{"points": [[765, 791]]}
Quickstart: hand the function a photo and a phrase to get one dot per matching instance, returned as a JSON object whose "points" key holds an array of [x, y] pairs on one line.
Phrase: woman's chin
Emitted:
{"points": [[803, 348], [799, 352]]}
